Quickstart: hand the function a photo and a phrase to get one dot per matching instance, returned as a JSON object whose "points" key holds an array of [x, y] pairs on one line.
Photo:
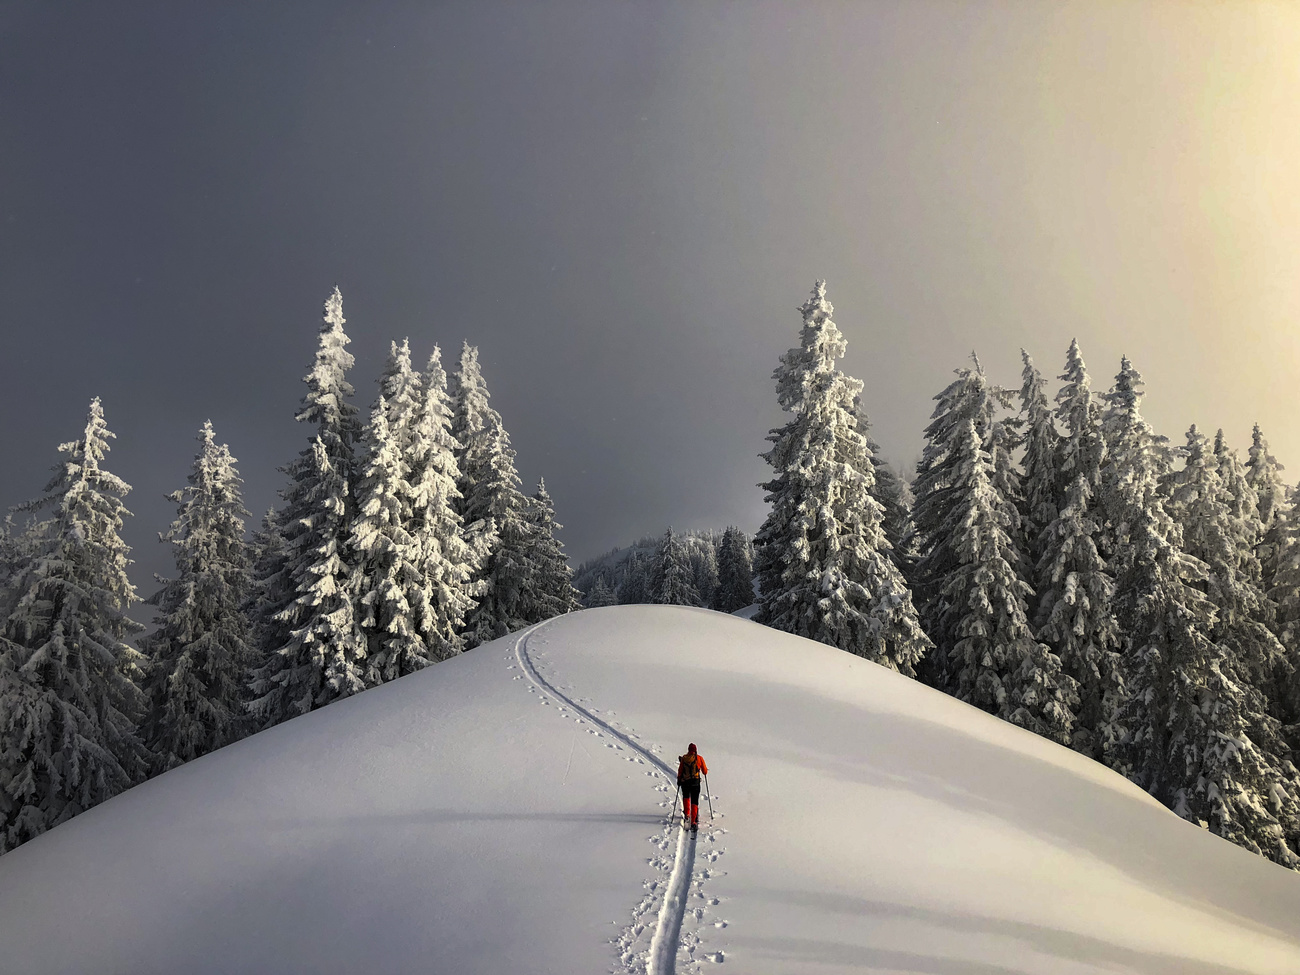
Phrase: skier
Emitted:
{"points": [[689, 769]]}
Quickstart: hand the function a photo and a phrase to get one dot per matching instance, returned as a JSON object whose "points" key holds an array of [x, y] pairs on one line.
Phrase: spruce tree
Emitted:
{"points": [[969, 399], [322, 657], [1040, 441], [822, 556], [551, 592], [1184, 727], [1075, 589], [70, 698], [997, 665], [493, 507], [1264, 474], [704, 568], [448, 557], [671, 579], [199, 656], [600, 595], [634, 589], [735, 572]]}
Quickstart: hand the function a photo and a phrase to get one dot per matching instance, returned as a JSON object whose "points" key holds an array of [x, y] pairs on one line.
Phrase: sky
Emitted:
{"points": [[623, 205]]}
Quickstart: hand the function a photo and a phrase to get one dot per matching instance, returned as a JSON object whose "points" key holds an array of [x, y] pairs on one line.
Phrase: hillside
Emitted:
{"points": [[504, 812]]}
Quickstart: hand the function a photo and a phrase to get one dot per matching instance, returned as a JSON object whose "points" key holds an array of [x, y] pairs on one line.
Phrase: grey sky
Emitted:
{"points": [[622, 205]]}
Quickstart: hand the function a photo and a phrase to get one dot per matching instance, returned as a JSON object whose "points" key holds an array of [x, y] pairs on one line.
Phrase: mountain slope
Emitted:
{"points": [[503, 812]]}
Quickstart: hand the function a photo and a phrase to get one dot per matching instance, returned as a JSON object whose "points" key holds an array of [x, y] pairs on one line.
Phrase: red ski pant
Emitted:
{"points": [[691, 800]]}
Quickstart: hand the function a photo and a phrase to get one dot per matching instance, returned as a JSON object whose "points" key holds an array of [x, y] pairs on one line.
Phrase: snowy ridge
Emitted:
{"points": [[664, 943]]}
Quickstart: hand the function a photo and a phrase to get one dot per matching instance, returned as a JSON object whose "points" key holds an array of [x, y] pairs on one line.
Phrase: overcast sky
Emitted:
{"points": [[622, 205]]}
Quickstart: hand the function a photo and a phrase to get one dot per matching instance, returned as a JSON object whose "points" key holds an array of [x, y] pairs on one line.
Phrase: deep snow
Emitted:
{"points": [[495, 814]]}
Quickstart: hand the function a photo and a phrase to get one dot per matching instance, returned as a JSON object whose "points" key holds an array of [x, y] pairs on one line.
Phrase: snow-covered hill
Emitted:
{"points": [[504, 813]]}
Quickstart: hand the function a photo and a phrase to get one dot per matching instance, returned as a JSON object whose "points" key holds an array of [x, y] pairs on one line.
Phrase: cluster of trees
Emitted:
{"points": [[690, 569], [401, 541], [1061, 566]]}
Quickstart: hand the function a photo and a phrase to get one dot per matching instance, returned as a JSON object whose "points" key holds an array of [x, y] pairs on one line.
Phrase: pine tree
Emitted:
{"points": [[1264, 474], [1075, 589], [996, 663], [199, 656], [600, 595], [704, 568], [493, 507], [448, 557], [970, 399], [1186, 735], [670, 581], [323, 656], [1041, 442], [822, 556], [551, 592], [70, 694], [634, 589], [735, 572], [892, 494]]}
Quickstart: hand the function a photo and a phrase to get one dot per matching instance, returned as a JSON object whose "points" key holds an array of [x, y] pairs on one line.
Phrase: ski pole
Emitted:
{"points": [[672, 814], [707, 796]]}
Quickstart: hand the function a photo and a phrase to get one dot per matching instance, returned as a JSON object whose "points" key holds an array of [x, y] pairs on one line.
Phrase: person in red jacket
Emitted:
{"points": [[689, 769]]}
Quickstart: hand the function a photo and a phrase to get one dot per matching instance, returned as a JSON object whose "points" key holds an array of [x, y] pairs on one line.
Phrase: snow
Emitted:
{"points": [[504, 811]]}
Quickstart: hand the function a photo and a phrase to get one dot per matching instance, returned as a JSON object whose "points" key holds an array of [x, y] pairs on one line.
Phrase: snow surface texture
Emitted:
{"points": [[505, 811]]}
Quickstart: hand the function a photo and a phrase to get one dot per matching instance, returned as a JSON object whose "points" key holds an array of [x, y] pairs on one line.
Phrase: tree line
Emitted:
{"points": [[1059, 564], [402, 540]]}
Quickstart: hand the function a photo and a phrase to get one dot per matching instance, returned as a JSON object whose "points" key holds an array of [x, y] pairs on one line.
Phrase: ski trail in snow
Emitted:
{"points": [[668, 932], [666, 939]]}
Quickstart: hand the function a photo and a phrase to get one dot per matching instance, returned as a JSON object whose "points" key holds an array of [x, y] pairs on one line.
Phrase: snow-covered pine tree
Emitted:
{"points": [[671, 582], [735, 572], [70, 695], [1039, 481], [704, 569], [1284, 594], [997, 665], [968, 399], [198, 658], [1264, 474], [447, 556], [413, 567], [551, 593], [383, 553], [600, 595], [1186, 735], [322, 657], [634, 588], [822, 557], [893, 495], [492, 506], [1075, 589]]}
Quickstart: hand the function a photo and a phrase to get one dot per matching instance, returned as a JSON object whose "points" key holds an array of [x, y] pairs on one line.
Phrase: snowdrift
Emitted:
{"points": [[504, 812]]}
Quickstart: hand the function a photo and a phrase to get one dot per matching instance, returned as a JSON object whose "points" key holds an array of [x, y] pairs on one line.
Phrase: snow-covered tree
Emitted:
{"points": [[735, 572], [997, 665], [1038, 484], [822, 557], [600, 595], [704, 569], [634, 587], [1186, 720], [671, 581], [970, 399], [322, 657], [448, 557], [69, 682], [492, 506], [551, 591], [1075, 588], [413, 583], [199, 657], [892, 494], [1264, 475]]}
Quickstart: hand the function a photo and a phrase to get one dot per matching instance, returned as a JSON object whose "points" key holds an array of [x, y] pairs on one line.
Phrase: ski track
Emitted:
{"points": [[666, 940]]}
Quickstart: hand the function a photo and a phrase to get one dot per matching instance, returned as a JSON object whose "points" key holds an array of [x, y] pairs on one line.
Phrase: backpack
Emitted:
{"points": [[690, 766]]}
